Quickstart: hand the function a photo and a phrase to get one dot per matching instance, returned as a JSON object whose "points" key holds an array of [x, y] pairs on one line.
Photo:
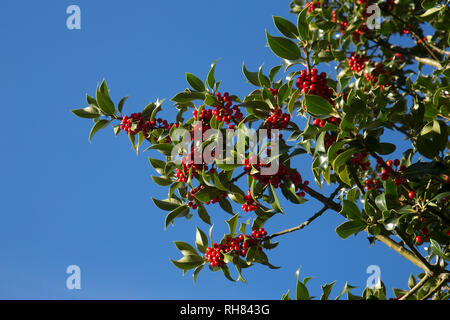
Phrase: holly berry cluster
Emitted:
{"points": [[238, 245], [371, 184], [223, 111], [388, 170], [379, 70], [283, 175], [186, 164], [193, 202], [250, 204], [329, 139], [357, 62], [313, 5], [278, 120], [361, 160], [314, 83], [320, 123], [204, 115], [142, 124]]}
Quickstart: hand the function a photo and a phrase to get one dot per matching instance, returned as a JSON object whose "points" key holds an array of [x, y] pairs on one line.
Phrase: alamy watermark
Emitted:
{"points": [[74, 20], [74, 280], [374, 280]]}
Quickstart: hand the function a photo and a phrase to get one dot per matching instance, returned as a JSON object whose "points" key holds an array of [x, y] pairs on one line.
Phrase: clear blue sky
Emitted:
{"points": [[65, 201]]}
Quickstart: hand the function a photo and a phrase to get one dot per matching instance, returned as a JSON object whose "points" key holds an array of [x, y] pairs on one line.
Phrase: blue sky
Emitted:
{"points": [[65, 201]]}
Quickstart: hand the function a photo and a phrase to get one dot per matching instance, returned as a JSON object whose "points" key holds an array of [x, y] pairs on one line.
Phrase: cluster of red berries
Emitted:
{"points": [[217, 199], [284, 174], [320, 123], [371, 184], [204, 115], [361, 160], [330, 139], [361, 30], [406, 31], [223, 111], [379, 70], [142, 124], [250, 204], [187, 163], [278, 120], [314, 83], [343, 26], [389, 170], [313, 5], [357, 62], [238, 245], [193, 203]]}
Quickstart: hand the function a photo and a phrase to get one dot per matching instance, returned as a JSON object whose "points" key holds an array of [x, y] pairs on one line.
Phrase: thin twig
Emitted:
{"points": [[416, 287], [301, 226]]}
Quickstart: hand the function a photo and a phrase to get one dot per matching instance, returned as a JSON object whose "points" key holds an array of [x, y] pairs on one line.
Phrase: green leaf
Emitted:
{"points": [[263, 80], [97, 126], [283, 47], [302, 25], [351, 210], [232, 224], [228, 167], [158, 165], [203, 214], [89, 112], [318, 106], [226, 205], [344, 175], [185, 248], [287, 28], [252, 77], [345, 290], [411, 281], [348, 228], [327, 290], [201, 240], [380, 201], [162, 181], [188, 262], [210, 79], [196, 272], [385, 148], [195, 82], [188, 96], [343, 157], [181, 211], [275, 202], [301, 292], [436, 249], [166, 205], [104, 101], [286, 296], [292, 100], [429, 12], [164, 148], [121, 103]]}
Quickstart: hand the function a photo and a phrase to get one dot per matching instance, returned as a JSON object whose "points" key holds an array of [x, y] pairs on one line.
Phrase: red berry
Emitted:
{"points": [[419, 240], [411, 194]]}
